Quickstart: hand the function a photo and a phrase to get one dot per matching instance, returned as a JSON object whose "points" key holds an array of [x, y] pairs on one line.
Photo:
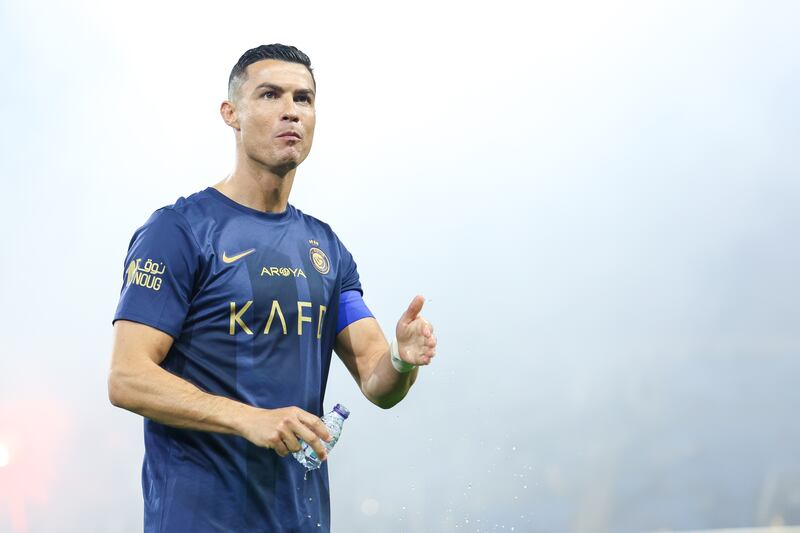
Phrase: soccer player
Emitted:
{"points": [[231, 303]]}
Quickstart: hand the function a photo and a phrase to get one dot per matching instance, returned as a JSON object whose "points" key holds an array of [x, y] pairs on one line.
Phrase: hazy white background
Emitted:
{"points": [[599, 199]]}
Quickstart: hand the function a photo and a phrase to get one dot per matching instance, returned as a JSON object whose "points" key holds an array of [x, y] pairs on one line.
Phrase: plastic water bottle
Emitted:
{"points": [[333, 421]]}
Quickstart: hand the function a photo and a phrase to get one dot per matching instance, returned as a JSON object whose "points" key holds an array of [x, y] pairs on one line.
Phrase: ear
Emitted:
{"points": [[228, 112]]}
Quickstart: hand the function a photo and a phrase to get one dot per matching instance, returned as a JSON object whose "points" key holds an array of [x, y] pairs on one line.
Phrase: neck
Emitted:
{"points": [[256, 187]]}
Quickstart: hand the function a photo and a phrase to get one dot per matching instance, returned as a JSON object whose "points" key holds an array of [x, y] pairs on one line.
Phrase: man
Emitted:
{"points": [[231, 304]]}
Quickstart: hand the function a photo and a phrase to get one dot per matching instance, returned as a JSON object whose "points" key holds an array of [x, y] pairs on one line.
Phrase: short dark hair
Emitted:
{"points": [[277, 51]]}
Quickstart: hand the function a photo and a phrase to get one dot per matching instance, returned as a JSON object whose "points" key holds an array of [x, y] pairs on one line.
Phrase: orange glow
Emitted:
{"points": [[5, 456], [33, 432]]}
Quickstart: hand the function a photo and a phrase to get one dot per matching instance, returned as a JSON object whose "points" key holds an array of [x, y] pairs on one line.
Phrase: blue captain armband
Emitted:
{"points": [[351, 308]]}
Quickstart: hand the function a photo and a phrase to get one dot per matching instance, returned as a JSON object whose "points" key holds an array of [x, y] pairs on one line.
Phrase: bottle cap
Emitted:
{"points": [[342, 410]]}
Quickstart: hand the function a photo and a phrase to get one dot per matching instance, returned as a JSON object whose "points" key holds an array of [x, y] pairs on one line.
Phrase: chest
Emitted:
{"points": [[269, 282]]}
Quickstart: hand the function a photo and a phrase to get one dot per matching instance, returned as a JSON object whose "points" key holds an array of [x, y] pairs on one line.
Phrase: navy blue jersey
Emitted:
{"points": [[252, 301]]}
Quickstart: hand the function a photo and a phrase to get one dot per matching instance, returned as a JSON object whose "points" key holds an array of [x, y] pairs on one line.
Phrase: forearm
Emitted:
{"points": [[386, 387], [166, 398]]}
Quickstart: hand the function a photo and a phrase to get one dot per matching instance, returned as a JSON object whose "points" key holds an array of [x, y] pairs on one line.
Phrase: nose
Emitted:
{"points": [[290, 109]]}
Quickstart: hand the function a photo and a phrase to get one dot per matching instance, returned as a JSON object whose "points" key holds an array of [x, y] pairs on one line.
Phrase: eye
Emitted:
{"points": [[269, 94], [304, 98]]}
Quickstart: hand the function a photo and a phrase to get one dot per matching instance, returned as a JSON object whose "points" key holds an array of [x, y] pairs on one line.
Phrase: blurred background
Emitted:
{"points": [[599, 200]]}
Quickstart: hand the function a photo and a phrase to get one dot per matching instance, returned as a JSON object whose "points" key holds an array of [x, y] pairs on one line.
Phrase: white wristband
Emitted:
{"points": [[398, 364]]}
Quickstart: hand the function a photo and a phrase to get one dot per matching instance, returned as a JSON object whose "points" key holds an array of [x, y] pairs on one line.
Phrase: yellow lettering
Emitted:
{"points": [[151, 281], [300, 317], [283, 271], [237, 317], [275, 308], [143, 278], [322, 310], [131, 272]]}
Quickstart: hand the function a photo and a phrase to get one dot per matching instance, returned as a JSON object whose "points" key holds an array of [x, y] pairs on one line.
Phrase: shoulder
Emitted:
{"points": [[189, 209], [180, 218], [315, 224], [311, 220]]}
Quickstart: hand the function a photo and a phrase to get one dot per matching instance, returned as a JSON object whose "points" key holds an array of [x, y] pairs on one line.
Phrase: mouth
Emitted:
{"points": [[290, 135]]}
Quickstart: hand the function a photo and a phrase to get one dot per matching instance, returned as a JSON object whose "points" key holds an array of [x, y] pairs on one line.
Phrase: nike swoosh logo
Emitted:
{"points": [[231, 259]]}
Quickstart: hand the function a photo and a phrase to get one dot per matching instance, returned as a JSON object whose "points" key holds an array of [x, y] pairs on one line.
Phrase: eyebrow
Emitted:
{"points": [[281, 89]]}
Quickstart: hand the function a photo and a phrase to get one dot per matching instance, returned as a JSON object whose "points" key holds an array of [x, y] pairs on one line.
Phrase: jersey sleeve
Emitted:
{"points": [[349, 269], [160, 268]]}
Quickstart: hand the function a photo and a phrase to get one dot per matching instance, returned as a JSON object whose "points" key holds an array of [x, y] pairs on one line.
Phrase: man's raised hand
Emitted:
{"points": [[415, 339]]}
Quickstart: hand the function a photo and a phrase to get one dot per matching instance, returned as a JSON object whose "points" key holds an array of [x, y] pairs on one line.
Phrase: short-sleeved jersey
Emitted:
{"points": [[251, 299]]}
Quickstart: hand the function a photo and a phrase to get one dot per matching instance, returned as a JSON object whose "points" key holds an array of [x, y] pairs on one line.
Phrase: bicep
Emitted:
{"points": [[360, 345]]}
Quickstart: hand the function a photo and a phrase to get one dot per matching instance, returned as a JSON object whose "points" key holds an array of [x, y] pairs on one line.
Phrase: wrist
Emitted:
{"points": [[394, 354], [242, 421]]}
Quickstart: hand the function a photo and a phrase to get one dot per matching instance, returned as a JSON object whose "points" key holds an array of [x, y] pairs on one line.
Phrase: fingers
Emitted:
{"points": [[426, 328], [413, 309], [423, 350], [430, 342], [282, 448], [286, 442], [429, 348], [428, 338], [291, 425], [316, 425], [312, 430], [427, 356]]}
